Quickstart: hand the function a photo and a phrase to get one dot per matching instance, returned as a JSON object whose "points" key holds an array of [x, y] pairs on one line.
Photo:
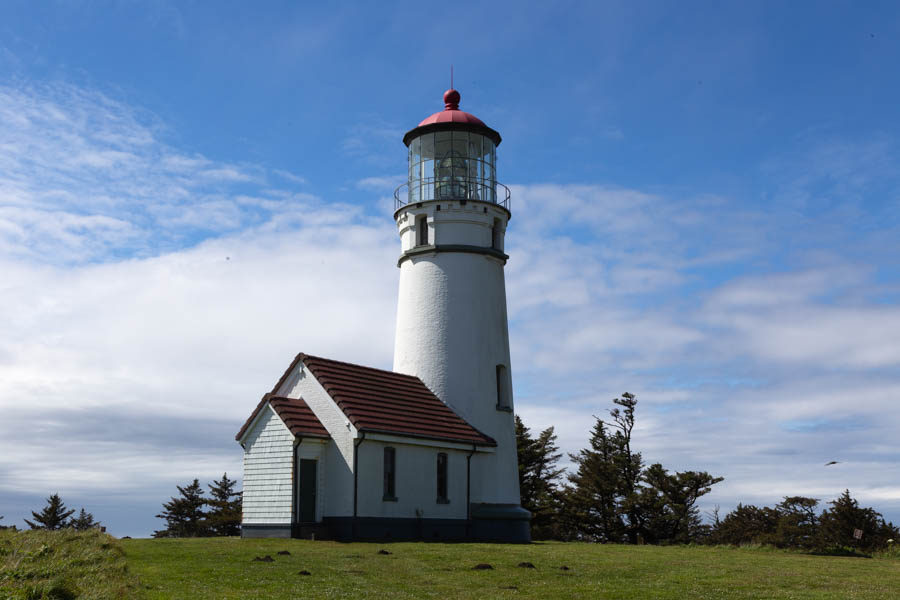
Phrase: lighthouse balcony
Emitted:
{"points": [[459, 189]]}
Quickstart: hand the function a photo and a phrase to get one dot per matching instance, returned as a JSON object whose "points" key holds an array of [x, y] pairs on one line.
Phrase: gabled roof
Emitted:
{"points": [[387, 402], [295, 413], [299, 417]]}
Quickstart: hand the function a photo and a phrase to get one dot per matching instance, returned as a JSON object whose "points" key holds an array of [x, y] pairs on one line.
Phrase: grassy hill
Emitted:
{"points": [[225, 568], [64, 565]]}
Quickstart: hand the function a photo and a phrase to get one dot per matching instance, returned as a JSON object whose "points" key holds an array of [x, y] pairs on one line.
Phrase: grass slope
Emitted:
{"points": [[224, 568], [63, 565]]}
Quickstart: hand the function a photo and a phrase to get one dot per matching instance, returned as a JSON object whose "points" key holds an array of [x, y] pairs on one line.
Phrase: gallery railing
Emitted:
{"points": [[423, 190]]}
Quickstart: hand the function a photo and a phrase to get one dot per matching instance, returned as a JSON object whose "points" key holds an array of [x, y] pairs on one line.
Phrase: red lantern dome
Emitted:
{"points": [[452, 118]]}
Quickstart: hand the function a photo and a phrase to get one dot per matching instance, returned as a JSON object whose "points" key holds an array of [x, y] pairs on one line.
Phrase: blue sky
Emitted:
{"points": [[704, 214]]}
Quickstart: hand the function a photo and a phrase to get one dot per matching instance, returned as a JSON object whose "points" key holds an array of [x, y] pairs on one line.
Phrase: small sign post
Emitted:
{"points": [[857, 534]]}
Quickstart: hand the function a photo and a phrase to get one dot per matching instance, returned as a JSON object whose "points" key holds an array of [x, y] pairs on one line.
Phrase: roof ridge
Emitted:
{"points": [[368, 396]]}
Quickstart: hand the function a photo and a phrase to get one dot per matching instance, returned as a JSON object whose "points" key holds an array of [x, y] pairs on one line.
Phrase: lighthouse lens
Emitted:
{"points": [[450, 165]]}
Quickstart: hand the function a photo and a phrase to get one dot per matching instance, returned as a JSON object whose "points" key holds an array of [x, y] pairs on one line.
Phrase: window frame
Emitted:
{"points": [[389, 474], [504, 397], [497, 235], [421, 230], [443, 469]]}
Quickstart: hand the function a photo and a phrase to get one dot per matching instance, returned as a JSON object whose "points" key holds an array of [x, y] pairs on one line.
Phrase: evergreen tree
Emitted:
{"points": [[592, 500], [184, 515], [797, 522], [612, 498], [837, 525], [630, 466], [746, 524], [224, 516], [538, 475], [53, 516], [669, 504], [603, 500], [83, 521]]}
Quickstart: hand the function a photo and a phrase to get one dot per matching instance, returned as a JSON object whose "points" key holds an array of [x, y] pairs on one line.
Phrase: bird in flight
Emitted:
{"points": [[833, 462]]}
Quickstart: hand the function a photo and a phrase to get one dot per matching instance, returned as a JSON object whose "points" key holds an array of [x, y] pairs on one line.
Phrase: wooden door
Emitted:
{"points": [[306, 494]]}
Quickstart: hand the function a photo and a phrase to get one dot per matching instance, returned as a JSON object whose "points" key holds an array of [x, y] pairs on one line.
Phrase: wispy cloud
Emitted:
{"points": [[384, 183], [290, 177], [373, 142], [82, 174]]}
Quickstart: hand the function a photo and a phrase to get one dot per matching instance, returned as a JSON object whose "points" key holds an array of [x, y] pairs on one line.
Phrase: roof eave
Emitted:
{"points": [[248, 424], [487, 441]]}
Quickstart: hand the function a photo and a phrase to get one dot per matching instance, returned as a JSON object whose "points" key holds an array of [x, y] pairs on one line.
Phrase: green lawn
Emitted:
{"points": [[224, 568], [68, 565]]}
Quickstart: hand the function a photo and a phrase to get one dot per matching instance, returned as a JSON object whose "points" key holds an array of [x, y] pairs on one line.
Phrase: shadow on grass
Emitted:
{"points": [[840, 551]]}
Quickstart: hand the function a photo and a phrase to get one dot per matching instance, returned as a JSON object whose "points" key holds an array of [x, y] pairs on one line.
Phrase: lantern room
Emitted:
{"points": [[452, 156]]}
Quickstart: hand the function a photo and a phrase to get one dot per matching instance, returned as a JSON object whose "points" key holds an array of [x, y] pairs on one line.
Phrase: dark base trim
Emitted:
{"points": [[311, 531], [508, 523], [265, 531], [503, 523], [396, 529], [503, 530]]}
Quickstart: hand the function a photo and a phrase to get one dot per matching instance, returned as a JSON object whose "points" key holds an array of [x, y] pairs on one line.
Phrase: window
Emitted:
{"points": [[503, 395], [421, 230], [497, 236], [442, 478], [390, 466]]}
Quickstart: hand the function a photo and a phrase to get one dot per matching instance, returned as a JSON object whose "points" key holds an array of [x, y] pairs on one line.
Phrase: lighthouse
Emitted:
{"points": [[452, 330], [428, 449]]}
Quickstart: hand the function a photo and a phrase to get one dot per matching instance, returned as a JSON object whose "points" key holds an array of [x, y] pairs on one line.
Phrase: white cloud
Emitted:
{"points": [[288, 176]]}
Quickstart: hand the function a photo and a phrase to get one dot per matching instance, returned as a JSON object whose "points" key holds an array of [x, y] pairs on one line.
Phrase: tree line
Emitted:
{"points": [[191, 514], [56, 515], [612, 496]]}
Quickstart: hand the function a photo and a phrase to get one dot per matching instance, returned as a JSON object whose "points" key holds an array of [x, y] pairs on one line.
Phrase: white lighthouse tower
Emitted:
{"points": [[452, 328]]}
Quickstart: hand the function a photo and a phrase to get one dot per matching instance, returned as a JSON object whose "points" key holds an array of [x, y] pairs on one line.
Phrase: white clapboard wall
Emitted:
{"points": [[268, 456]]}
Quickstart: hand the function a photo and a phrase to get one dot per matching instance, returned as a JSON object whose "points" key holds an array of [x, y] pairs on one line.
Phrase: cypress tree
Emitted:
{"points": [[838, 523], [83, 521], [594, 496], [53, 516], [184, 515], [224, 516], [538, 475]]}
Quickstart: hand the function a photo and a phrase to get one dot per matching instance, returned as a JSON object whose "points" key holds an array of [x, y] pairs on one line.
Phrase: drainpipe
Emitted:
{"points": [[295, 489], [356, 444], [468, 492]]}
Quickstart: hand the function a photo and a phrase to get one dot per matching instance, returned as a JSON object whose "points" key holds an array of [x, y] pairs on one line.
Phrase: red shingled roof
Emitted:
{"points": [[295, 413], [299, 417], [387, 402]]}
